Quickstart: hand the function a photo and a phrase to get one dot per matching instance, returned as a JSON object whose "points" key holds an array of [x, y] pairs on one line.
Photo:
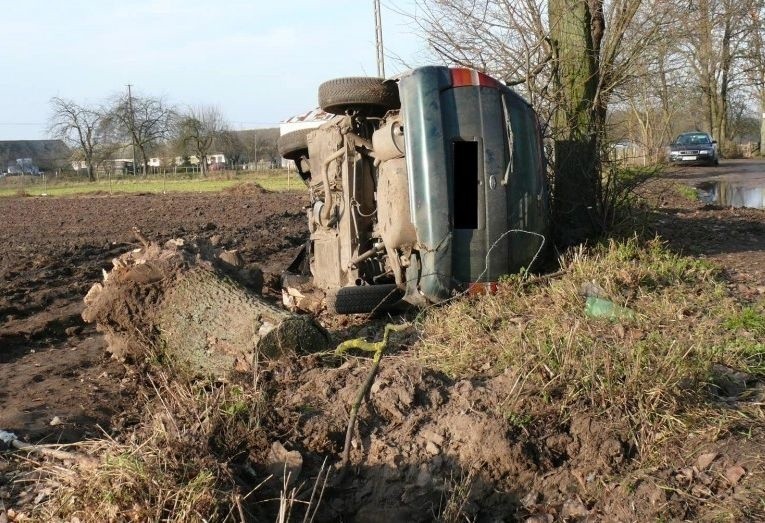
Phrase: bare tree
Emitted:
{"points": [[715, 44], [506, 38], [143, 121], [232, 145], [756, 57], [198, 129], [265, 145], [80, 127], [654, 91], [568, 57]]}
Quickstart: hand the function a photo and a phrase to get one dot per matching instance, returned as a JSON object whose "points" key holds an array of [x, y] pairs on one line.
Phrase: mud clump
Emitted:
{"points": [[427, 446], [425, 443], [188, 304]]}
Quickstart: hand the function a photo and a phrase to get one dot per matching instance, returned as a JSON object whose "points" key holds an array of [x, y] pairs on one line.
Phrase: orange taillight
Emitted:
{"points": [[466, 77]]}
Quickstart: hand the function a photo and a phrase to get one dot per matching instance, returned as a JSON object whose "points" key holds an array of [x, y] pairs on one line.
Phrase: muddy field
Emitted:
{"points": [[52, 365], [427, 446]]}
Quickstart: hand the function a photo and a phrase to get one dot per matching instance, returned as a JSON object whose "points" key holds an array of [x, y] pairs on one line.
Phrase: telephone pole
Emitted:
{"points": [[132, 125], [379, 40]]}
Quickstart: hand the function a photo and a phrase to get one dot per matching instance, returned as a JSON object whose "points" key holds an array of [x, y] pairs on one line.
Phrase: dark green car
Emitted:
{"points": [[422, 186]]}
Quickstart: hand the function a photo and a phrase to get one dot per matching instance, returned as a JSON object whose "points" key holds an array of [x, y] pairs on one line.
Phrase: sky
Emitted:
{"points": [[258, 61]]}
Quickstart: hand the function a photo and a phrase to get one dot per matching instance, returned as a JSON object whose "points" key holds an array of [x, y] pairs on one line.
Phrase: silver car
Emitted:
{"points": [[694, 148]]}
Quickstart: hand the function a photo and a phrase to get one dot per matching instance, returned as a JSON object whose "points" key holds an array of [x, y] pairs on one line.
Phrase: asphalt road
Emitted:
{"points": [[749, 172]]}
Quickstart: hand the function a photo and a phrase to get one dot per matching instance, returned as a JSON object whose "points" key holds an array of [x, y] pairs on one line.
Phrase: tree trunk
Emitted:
{"points": [[726, 63], [203, 164], [762, 122], [576, 117], [179, 305]]}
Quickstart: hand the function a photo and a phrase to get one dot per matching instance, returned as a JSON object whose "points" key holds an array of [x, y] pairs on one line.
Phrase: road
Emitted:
{"points": [[749, 172]]}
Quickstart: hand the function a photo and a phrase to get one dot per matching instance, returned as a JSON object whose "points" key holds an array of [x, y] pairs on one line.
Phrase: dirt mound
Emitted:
{"points": [[425, 443], [190, 304], [426, 447], [247, 189]]}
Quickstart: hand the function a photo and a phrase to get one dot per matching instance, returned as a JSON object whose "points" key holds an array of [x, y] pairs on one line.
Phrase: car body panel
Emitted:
{"points": [[511, 198]]}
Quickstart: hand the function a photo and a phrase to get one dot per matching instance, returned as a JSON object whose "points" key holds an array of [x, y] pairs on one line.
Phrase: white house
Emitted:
{"points": [[216, 158]]}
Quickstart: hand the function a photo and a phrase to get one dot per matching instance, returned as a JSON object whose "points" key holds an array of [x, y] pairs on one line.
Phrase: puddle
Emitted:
{"points": [[732, 194]]}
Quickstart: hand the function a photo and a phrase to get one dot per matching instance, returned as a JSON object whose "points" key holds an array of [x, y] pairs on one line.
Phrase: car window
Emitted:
{"points": [[693, 139]]}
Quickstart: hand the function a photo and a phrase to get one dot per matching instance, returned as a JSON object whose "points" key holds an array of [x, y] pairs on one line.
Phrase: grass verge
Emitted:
{"points": [[659, 368], [276, 181]]}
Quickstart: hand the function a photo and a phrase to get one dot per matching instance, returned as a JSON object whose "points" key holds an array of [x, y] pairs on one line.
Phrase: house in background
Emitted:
{"points": [[33, 156], [120, 161]]}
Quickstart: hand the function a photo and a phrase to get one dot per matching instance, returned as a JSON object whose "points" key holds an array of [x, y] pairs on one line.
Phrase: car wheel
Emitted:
{"points": [[364, 299], [367, 95], [293, 145]]}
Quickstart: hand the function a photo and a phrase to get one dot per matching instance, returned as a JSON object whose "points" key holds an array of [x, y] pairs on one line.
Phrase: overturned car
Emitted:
{"points": [[421, 186]]}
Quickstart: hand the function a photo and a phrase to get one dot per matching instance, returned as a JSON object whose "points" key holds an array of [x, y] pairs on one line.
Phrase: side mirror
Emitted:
{"points": [[714, 142]]}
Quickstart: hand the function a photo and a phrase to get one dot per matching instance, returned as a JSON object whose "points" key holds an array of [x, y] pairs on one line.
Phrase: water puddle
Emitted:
{"points": [[732, 194]]}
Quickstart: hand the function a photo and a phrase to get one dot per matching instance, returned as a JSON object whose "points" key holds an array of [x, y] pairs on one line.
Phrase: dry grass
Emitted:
{"points": [[174, 466], [654, 369], [457, 498]]}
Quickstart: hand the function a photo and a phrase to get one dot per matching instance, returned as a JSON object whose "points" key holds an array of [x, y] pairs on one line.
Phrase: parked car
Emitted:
{"points": [[694, 147], [420, 186]]}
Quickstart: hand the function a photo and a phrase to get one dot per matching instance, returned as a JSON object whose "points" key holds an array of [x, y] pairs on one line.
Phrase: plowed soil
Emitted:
{"points": [[57, 384]]}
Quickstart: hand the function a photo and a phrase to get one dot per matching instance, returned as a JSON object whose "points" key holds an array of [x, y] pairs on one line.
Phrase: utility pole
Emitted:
{"points": [[379, 40], [132, 126]]}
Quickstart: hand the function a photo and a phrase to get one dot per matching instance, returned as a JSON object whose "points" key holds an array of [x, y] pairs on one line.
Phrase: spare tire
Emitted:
{"points": [[370, 96], [293, 145], [364, 299]]}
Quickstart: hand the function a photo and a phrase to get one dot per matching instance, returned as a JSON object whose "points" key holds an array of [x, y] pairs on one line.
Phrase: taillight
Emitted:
{"points": [[462, 77], [477, 288]]}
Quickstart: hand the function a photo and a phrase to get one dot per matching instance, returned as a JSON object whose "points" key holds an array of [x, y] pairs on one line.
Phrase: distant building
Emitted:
{"points": [[33, 155]]}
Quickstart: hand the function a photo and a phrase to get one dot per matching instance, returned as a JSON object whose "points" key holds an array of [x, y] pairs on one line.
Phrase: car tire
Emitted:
{"points": [[364, 299], [293, 145], [369, 96]]}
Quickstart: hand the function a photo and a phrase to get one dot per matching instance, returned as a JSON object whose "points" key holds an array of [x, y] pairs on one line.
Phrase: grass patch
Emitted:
{"points": [[279, 180], [653, 369], [687, 192], [749, 319], [174, 466]]}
